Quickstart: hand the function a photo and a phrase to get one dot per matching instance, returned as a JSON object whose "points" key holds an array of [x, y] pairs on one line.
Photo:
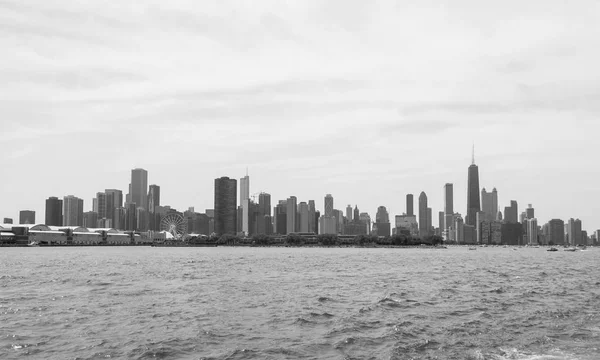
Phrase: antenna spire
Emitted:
{"points": [[473, 158], [246, 171]]}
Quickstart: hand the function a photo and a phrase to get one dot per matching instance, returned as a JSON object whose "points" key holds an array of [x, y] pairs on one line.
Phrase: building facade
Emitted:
{"points": [[225, 206], [54, 208]]}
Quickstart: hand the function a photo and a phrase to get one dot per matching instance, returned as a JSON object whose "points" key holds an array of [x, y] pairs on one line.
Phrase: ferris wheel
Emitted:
{"points": [[174, 224]]}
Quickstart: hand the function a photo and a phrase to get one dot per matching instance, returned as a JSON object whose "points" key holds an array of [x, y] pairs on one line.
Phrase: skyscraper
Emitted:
{"points": [[473, 201], [312, 223], [532, 231], [101, 204], [349, 212], [511, 213], [54, 208], [139, 187], [153, 203], [448, 209], [423, 221], [280, 213], [382, 222], [27, 217], [328, 221], [304, 217], [556, 232], [410, 205], [292, 214], [489, 204], [114, 201], [245, 203], [530, 212], [225, 206], [574, 232], [72, 211]]}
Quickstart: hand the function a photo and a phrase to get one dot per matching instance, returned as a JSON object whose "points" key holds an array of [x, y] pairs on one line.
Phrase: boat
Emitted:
{"points": [[33, 244], [571, 249], [472, 248], [552, 249]]}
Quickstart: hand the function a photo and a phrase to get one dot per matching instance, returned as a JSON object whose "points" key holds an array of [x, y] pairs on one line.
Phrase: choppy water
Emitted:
{"points": [[279, 303]]}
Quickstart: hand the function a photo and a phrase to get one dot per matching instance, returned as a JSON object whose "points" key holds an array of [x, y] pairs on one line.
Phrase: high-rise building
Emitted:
{"points": [[120, 218], [448, 209], [356, 217], [72, 211], [423, 221], [304, 216], [264, 223], [328, 220], [473, 201], [245, 203], [54, 208], [382, 222], [532, 231], [27, 217], [349, 212], [459, 227], [366, 219], [153, 198], [100, 205], [292, 214], [225, 206], [410, 202], [114, 200], [7, 221], [442, 223], [280, 213], [511, 213], [312, 223], [556, 232], [90, 219], [574, 232], [130, 216], [530, 212], [139, 187], [489, 204]]}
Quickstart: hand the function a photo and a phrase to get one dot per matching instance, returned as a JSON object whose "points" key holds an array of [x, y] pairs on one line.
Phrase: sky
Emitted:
{"points": [[364, 100]]}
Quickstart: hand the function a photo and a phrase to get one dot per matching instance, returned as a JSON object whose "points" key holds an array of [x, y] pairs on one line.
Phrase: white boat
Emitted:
{"points": [[33, 243], [572, 249]]}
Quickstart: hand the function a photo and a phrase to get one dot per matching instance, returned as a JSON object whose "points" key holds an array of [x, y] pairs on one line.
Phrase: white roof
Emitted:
{"points": [[47, 232], [86, 233], [6, 234]]}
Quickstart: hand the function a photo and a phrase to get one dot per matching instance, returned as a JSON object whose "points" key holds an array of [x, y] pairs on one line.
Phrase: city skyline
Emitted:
{"points": [[313, 98]]}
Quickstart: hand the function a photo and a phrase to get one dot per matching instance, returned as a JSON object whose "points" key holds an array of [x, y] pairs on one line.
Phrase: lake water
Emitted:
{"points": [[295, 303]]}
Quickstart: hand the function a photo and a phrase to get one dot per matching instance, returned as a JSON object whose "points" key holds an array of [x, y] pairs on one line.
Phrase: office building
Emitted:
{"points": [[139, 188], [225, 206], [448, 217], [72, 211], [530, 212], [410, 202], [7, 221], [423, 212], [328, 220], [312, 222], [511, 213], [245, 203], [100, 205], [54, 208], [489, 204], [292, 214], [382, 222], [574, 235], [473, 202], [280, 213], [114, 200], [349, 213], [90, 219], [459, 227], [27, 217], [303, 216], [407, 223], [532, 231], [366, 220], [555, 232], [264, 224]]}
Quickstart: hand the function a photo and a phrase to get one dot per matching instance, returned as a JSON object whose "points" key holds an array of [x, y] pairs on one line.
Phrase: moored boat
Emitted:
{"points": [[552, 249]]}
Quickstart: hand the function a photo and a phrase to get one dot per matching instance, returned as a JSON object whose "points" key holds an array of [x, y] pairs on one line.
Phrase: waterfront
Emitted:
{"points": [[298, 303]]}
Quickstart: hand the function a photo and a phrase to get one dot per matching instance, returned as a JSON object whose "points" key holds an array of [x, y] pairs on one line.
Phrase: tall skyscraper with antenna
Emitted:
{"points": [[473, 200]]}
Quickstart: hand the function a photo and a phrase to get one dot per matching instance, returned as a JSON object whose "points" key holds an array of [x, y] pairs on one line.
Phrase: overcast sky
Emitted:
{"points": [[366, 100]]}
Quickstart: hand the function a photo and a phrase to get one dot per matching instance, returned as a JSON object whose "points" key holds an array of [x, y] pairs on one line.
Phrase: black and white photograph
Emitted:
{"points": [[300, 179]]}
